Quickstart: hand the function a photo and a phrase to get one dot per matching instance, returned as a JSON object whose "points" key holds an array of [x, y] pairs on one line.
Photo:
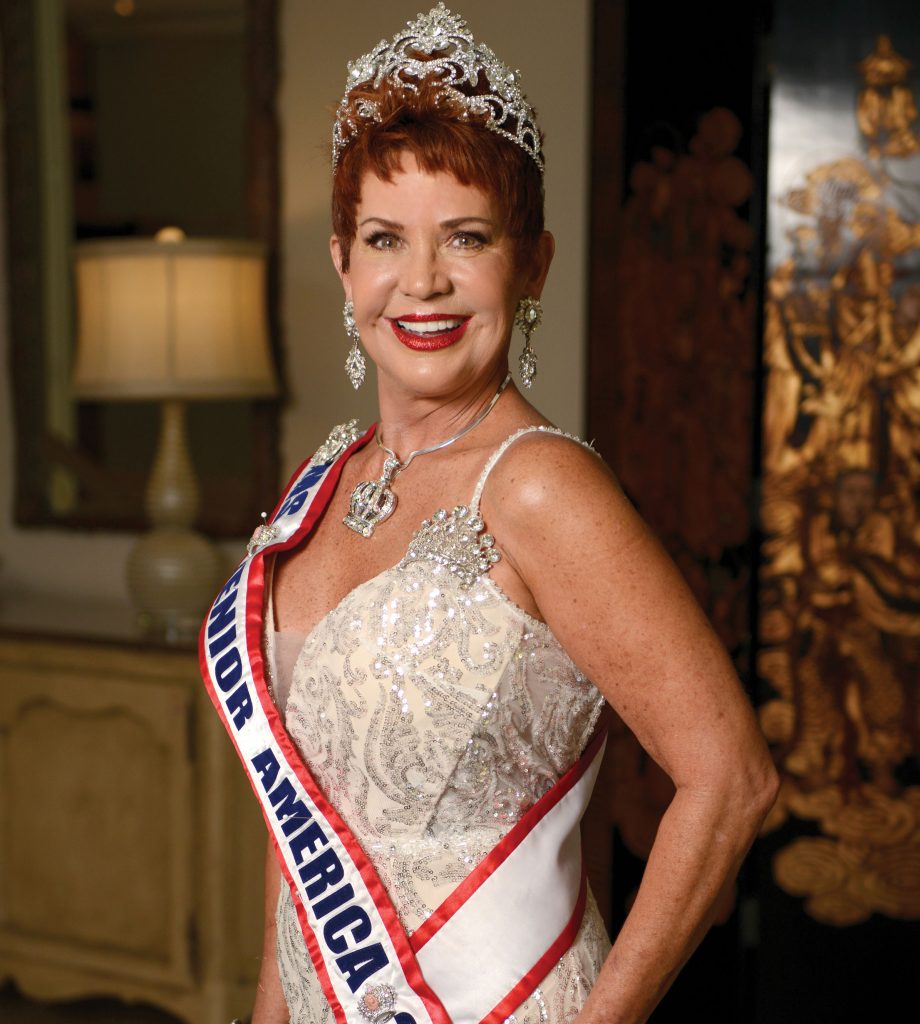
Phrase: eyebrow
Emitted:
{"points": [[454, 222]]}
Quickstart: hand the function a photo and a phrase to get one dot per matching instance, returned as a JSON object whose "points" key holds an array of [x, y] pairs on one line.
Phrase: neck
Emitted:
{"points": [[411, 421]]}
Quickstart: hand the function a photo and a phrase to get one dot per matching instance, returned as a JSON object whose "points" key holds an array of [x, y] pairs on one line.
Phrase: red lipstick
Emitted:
{"points": [[428, 342]]}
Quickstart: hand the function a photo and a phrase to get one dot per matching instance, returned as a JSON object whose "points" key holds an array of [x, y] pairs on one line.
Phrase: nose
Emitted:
{"points": [[424, 273]]}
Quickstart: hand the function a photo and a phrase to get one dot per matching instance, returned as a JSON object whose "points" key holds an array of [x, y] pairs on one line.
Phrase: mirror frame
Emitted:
{"points": [[36, 452]]}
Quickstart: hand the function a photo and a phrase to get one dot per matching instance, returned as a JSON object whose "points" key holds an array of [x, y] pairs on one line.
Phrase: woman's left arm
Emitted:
{"points": [[620, 608]]}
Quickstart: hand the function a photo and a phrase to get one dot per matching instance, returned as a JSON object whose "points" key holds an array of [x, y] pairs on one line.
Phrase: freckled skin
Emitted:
{"points": [[574, 553]]}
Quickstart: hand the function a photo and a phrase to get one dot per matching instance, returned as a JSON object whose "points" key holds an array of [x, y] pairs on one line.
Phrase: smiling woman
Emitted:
{"points": [[419, 702]]}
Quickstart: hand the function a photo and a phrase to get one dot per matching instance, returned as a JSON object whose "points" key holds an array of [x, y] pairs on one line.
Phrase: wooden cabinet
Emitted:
{"points": [[131, 846]]}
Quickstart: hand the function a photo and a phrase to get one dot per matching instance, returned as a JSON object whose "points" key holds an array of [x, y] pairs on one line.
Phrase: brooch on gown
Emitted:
{"points": [[377, 1003], [453, 540], [264, 534], [340, 438]]}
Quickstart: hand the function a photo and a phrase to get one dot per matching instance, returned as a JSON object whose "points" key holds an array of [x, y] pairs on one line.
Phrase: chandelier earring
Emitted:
{"points": [[528, 316], [355, 365]]}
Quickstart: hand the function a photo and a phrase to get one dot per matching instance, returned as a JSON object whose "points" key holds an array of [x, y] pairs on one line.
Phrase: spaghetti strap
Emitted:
{"points": [[506, 444]]}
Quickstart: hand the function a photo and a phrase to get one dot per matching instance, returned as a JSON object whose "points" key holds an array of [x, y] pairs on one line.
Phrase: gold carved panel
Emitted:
{"points": [[840, 583]]}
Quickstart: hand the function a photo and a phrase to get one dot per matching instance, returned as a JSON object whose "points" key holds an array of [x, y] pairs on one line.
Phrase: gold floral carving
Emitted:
{"points": [[840, 586]]}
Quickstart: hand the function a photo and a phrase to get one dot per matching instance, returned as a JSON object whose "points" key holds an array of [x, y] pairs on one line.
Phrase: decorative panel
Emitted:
{"points": [[109, 812], [792, 395], [840, 585], [96, 839]]}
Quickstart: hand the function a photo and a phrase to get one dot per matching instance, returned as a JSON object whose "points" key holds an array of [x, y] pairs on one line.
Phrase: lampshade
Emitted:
{"points": [[181, 319]]}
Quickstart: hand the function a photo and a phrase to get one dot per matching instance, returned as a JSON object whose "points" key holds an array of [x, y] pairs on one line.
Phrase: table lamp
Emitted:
{"points": [[172, 320]]}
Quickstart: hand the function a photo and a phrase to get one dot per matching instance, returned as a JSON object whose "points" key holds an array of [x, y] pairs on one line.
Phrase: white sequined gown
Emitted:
{"points": [[432, 711]]}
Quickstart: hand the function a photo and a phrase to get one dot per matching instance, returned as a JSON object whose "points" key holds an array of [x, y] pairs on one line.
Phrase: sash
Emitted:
{"points": [[484, 950]]}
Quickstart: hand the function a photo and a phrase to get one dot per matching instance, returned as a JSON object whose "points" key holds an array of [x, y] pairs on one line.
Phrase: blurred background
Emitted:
{"points": [[733, 316]]}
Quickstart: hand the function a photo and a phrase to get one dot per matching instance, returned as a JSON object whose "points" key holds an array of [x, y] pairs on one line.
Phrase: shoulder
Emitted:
{"points": [[544, 470], [558, 513], [549, 498]]}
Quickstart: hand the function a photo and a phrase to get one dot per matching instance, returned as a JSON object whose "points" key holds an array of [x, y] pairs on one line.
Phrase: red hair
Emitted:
{"points": [[442, 136]]}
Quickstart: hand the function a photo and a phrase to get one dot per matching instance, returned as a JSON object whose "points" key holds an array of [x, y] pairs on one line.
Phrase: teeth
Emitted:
{"points": [[429, 326]]}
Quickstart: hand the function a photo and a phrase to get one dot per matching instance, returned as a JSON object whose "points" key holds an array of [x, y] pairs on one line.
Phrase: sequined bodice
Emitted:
{"points": [[432, 711]]}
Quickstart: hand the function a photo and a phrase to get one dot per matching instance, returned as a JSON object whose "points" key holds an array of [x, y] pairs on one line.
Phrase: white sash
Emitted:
{"points": [[482, 952]]}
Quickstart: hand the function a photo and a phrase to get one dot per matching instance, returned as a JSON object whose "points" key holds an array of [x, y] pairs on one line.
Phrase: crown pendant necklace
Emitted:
{"points": [[373, 501]]}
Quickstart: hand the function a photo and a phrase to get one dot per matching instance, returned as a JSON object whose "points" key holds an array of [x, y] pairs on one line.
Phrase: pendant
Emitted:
{"points": [[372, 501]]}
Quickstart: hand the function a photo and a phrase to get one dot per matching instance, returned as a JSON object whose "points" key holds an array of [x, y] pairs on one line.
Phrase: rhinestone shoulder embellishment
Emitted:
{"points": [[339, 439], [453, 540]]}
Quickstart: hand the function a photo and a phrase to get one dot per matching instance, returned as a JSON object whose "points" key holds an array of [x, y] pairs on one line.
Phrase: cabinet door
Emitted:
{"points": [[96, 826]]}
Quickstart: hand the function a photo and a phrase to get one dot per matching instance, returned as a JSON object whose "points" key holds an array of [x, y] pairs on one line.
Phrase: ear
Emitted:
{"points": [[338, 255], [540, 261]]}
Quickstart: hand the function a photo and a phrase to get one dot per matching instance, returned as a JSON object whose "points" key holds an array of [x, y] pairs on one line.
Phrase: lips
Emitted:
{"points": [[429, 331]]}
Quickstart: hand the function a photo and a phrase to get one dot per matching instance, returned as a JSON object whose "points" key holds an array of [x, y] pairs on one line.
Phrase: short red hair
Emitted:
{"points": [[442, 136]]}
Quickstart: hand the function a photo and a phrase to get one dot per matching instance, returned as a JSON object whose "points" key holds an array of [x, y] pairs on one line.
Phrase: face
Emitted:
{"points": [[434, 282]]}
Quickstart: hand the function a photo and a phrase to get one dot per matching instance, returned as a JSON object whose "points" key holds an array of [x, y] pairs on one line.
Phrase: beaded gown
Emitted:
{"points": [[432, 712]]}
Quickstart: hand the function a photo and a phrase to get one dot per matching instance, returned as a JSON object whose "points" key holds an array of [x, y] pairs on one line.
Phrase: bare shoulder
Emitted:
{"points": [[543, 456], [553, 486], [593, 567]]}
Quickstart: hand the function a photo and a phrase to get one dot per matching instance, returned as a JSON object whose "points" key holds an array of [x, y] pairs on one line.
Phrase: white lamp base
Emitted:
{"points": [[173, 572]]}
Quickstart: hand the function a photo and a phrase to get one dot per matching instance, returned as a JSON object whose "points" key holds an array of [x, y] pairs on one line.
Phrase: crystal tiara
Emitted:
{"points": [[455, 60]]}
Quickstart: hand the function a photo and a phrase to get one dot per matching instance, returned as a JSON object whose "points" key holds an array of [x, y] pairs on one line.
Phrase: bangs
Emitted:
{"points": [[442, 137]]}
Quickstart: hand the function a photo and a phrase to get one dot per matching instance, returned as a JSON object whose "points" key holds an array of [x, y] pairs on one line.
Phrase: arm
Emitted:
{"points": [[270, 1007], [622, 611]]}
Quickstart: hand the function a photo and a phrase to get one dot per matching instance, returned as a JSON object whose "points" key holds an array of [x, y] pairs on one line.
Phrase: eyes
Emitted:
{"points": [[469, 240], [462, 241], [382, 240]]}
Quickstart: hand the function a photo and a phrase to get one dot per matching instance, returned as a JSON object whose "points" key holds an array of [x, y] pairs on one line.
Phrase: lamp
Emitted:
{"points": [[172, 320]]}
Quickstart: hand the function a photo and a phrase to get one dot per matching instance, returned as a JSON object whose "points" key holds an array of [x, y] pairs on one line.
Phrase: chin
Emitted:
{"points": [[431, 374]]}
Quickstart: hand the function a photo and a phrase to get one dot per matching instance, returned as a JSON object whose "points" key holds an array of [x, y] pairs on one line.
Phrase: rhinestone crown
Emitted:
{"points": [[439, 45]]}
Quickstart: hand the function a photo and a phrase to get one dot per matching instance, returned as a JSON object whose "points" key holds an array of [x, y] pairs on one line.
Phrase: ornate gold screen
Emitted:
{"points": [[840, 581]]}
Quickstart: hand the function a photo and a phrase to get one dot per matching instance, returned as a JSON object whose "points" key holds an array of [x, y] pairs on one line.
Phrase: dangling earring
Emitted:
{"points": [[355, 366], [528, 316]]}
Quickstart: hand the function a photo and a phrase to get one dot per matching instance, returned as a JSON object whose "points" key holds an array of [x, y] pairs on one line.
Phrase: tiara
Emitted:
{"points": [[455, 60]]}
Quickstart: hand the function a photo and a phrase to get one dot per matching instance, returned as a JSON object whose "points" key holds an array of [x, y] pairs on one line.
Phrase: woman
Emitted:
{"points": [[440, 733]]}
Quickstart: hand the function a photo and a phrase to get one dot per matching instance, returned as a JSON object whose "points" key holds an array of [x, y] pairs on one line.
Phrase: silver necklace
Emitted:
{"points": [[373, 501]]}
